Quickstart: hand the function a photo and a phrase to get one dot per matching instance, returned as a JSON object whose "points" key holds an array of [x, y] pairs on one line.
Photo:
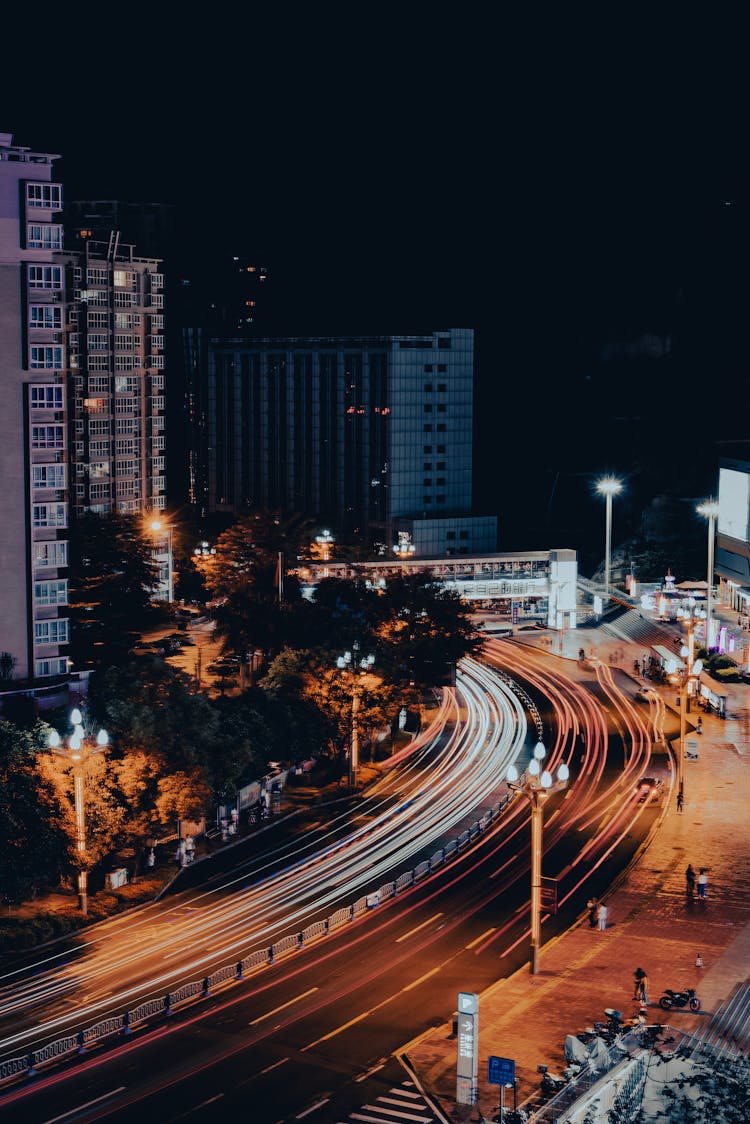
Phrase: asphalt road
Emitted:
{"points": [[298, 1039]]}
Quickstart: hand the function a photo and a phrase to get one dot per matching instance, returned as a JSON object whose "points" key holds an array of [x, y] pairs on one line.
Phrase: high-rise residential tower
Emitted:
{"points": [[81, 398]]}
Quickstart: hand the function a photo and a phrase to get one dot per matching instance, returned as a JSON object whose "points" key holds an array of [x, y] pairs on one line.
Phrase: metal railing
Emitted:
{"points": [[122, 1024]]}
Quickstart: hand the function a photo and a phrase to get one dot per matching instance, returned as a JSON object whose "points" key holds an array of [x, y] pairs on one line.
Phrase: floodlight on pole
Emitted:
{"points": [[608, 487], [709, 509]]}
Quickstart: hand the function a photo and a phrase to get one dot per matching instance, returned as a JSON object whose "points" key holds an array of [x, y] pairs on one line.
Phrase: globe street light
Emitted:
{"points": [[356, 666], [608, 487], [537, 787], [78, 751], [710, 509]]}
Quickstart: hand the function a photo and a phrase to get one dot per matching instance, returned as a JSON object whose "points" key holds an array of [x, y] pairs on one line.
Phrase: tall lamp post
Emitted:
{"points": [[78, 751], [356, 666], [710, 509], [608, 487], [690, 672], [537, 787]]}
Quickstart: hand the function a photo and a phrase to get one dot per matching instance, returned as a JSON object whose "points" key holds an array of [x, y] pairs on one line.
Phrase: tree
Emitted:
{"points": [[33, 842], [112, 578], [182, 796], [7, 662], [105, 816]]}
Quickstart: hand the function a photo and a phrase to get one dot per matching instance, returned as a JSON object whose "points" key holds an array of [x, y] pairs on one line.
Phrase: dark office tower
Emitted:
{"points": [[374, 435]]}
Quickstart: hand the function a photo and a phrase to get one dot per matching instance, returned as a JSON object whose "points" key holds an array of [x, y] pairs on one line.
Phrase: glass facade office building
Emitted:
{"points": [[362, 432]]}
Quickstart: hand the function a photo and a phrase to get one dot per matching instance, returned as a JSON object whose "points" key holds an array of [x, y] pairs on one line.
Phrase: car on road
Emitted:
{"points": [[648, 790], [224, 669]]}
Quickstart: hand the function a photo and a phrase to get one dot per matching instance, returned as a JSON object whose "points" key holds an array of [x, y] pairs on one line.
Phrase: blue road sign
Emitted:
{"points": [[501, 1071]]}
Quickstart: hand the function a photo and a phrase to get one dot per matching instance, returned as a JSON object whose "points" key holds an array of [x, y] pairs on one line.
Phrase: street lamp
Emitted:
{"points": [[691, 671], [161, 552], [404, 548], [710, 509], [537, 787], [78, 751], [608, 487], [356, 666]]}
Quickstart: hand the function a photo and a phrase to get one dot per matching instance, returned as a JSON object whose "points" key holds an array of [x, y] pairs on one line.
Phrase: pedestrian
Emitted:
{"points": [[699, 727], [591, 905], [702, 882], [638, 976], [680, 801], [690, 880], [601, 916], [699, 961], [642, 994]]}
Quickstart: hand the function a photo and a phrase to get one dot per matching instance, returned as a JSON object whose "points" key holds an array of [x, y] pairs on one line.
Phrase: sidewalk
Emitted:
{"points": [[652, 925]]}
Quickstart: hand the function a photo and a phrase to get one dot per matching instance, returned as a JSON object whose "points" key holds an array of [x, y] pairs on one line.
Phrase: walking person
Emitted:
{"points": [[702, 883], [592, 905], [680, 801], [638, 976], [690, 881]]}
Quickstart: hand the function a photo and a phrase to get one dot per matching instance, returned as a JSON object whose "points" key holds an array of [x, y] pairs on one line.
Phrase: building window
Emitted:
{"points": [[127, 468], [440, 481], [51, 632], [45, 277], [98, 341], [427, 466], [428, 387], [47, 316], [98, 320], [441, 427], [58, 665], [442, 387], [99, 492], [126, 446], [96, 276], [97, 362], [427, 499], [427, 428], [428, 369], [157, 402], [158, 442], [47, 437], [44, 236], [159, 503], [444, 342], [450, 536], [125, 279], [440, 465], [427, 409], [427, 448], [440, 499], [157, 382], [99, 384], [98, 468], [46, 397], [463, 534], [53, 553], [48, 475], [50, 514], [127, 384], [44, 195], [441, 448], [442, 407], [45, 358], [51, 592]]}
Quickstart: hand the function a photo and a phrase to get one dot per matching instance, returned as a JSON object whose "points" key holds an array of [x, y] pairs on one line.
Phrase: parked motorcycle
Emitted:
{"points": [[552, 1083], [686, 998]]}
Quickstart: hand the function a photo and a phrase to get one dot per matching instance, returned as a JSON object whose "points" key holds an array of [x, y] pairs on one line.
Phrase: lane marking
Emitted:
{"points": [[81, 1107], [283, 1006], [311, 1109], [421, 979], [274, 1066], [364, 1076], [417, 928], [476, 940]]}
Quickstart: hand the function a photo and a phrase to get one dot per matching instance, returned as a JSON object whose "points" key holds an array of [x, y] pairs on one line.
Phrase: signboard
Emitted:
{"points": [[549, 895], [501, 1071], [468, 1047], [514, 611]]}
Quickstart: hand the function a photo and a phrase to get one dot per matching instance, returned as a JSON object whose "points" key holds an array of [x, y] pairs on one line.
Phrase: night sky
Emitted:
{"points": [[395, 179]]}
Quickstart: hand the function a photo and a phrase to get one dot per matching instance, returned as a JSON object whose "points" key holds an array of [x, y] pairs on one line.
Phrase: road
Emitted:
{"points": [[298, 1038]]}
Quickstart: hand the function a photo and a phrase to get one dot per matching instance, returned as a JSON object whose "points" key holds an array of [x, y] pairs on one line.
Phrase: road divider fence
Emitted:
{"points": [[120, 1025]]}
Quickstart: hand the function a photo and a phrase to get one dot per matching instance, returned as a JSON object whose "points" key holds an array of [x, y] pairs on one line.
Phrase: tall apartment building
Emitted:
{"points": [[374, 435], [82, 401]]}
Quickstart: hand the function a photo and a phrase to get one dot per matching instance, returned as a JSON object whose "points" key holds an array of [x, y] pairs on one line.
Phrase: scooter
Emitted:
{"points": [[686, 998], [552, 1083]]}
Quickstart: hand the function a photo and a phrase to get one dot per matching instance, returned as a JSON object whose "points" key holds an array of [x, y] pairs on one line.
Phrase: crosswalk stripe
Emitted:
{"points": [[405, 1092], [399, 1115], [401, 1104]]}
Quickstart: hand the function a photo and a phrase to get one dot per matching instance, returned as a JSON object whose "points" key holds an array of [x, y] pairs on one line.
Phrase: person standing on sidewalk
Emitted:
{"points": [[680, 801], [702, 883], [593, 905], [601, 916], [690, 881], [638, 986]]}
